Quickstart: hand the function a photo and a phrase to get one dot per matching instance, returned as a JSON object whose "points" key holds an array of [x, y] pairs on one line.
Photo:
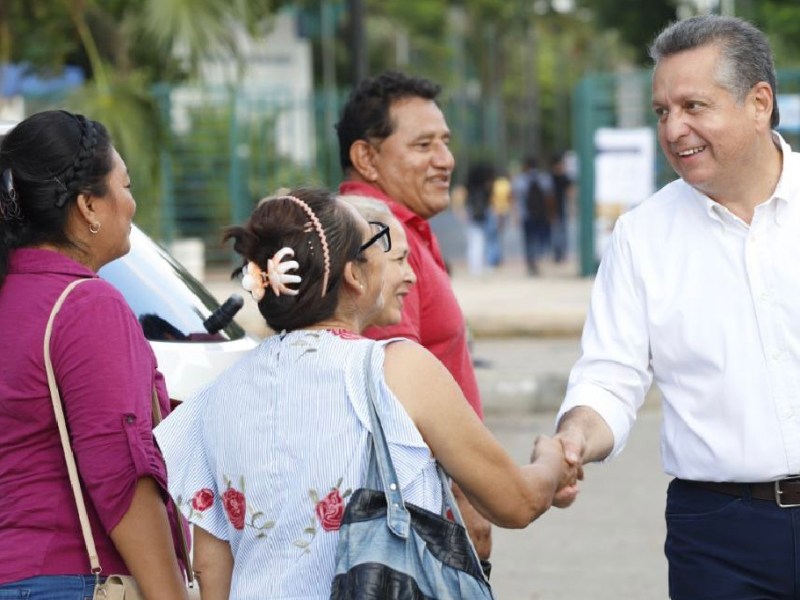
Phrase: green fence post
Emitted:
{"points": [[166, 229], [583, 139], [235, 184]]}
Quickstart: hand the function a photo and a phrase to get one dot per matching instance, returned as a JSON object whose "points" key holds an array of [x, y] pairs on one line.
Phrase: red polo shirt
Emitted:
{"points": [[431, 315]]}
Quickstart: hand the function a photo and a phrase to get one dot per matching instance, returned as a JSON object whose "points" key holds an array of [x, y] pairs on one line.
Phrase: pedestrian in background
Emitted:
{"points": [[65, 211], [698, 293], [500, 203], [533, 198], [394, 146], [480, 177], [561, 184]]}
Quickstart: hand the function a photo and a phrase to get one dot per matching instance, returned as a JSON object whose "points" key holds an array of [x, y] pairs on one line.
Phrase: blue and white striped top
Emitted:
{"points": [[267, 456]]}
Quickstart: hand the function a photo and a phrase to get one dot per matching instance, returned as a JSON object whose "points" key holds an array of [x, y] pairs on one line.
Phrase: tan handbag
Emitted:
{"points": [[115, 587]]}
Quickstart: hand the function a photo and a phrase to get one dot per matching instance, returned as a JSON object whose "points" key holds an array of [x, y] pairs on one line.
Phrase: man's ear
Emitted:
{"points": [[763, 99], [362, 155]]}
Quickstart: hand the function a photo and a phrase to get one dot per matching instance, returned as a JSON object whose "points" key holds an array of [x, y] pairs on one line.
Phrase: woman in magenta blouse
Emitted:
{"points": [[65, 211]]}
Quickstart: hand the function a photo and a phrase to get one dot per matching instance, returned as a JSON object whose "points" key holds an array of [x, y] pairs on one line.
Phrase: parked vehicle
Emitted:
{"points": [[194, 337]]}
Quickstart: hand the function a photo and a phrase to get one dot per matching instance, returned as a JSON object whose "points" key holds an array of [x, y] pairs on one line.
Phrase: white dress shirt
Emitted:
{"points": [[691, 297]]}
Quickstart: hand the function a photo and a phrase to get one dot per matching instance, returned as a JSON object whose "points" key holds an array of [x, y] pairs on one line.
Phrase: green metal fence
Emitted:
{"points": [[227, 148]]}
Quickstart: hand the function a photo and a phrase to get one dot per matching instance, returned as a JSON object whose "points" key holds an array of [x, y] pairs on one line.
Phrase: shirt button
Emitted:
{"points": [[130, 419], [776, 355], [764, 296]]}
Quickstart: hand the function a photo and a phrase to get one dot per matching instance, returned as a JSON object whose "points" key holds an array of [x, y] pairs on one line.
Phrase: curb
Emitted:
{"points": [[503, 395], [553, 324]]}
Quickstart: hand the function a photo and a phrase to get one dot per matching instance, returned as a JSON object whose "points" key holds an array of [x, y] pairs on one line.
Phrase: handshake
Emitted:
{"points": [[582, 437], [560, 463]]}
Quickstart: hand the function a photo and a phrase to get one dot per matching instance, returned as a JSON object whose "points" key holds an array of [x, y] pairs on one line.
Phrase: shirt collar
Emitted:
{"points": [[403, 214], [410, 220], [788, 187], [38, 260]]}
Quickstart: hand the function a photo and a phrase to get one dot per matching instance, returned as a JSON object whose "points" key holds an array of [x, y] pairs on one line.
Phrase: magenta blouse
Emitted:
{"points": [[105, 371]]}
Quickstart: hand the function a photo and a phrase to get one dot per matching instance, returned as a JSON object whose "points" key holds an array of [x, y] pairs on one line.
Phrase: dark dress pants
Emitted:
{"points": [[722, 547]]}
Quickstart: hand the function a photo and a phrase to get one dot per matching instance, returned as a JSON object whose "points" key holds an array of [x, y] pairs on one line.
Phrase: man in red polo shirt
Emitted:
{"points": [[394, 146]]}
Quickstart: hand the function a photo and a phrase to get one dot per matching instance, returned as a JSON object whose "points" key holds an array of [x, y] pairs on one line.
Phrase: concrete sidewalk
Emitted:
{"points": [[506, 302]]}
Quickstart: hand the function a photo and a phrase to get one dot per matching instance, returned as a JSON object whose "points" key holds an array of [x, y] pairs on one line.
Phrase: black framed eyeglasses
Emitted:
{"points": [[382, 237]]}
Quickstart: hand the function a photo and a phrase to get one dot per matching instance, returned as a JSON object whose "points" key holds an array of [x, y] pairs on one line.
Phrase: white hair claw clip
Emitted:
{"points": [[278, 272], [255, 281]]}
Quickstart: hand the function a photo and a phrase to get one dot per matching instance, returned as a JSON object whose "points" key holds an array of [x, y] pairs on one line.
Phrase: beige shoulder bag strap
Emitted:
{"points": [[72, 469]]}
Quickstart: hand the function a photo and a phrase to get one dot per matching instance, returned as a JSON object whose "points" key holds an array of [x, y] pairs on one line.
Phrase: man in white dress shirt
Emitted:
{"points": [[700, 292]]}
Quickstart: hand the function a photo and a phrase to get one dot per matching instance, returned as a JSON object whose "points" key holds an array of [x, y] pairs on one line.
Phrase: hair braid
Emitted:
{"points": [[73, 179]]}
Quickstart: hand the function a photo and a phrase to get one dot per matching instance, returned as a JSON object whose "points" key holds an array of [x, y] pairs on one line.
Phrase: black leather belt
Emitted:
{"points": [[784, 492]]}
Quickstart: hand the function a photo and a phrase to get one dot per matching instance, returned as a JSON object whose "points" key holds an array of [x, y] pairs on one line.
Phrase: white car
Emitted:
{"points": [[193, 336]]}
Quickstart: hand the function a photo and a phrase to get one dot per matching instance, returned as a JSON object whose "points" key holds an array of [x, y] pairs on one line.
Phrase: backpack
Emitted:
{"points": [[478, 203], [537, 202]]}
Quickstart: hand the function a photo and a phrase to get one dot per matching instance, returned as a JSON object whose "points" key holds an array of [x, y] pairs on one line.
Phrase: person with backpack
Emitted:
{"points": [[533, 195], [480, 177]]}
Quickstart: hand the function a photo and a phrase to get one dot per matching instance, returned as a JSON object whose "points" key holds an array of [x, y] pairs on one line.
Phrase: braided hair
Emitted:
{"points": [[46, 161]]}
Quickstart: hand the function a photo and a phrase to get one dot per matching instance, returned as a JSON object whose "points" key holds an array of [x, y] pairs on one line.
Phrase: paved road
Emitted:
{"points": [[608, 545]]}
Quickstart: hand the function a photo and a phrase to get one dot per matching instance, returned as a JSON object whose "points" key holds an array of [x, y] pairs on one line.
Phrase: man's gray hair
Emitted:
{"points": [[746, 55]]}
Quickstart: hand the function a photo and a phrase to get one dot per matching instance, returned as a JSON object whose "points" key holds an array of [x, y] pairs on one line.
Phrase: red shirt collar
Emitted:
{"points": [[408, 218]]}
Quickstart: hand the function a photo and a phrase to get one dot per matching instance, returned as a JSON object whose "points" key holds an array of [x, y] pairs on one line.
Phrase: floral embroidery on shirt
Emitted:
{"points": [[345, 334], [237, 509], [201, 500], [309, 341], [328, 510]]}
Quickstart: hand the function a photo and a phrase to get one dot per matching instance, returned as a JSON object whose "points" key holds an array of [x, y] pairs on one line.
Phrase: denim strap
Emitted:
{"points": [[381, 469], [397, 517]]}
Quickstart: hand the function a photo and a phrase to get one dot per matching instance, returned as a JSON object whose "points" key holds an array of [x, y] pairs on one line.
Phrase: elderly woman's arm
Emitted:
{"points": [[213, 565], [507, 494]]}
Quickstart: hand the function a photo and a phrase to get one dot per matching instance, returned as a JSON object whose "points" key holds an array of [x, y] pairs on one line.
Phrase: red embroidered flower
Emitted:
{"points": [[330, 511], [345, 334], [202, 499], [235, 506]]}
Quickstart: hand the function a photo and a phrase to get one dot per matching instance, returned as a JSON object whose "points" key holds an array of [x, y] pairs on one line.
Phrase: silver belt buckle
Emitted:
{"points": [[779, 491]]}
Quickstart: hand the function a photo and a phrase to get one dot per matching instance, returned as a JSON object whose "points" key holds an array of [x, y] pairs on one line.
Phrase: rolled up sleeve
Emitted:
{"points": [[106, 371], [613, 374]]}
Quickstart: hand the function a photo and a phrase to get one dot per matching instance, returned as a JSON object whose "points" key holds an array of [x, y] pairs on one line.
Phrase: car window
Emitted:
{"points": [[170, 304]]}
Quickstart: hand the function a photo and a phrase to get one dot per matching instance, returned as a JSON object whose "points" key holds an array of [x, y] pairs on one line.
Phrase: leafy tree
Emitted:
{"points": [[636, 23], [780, 19]]}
